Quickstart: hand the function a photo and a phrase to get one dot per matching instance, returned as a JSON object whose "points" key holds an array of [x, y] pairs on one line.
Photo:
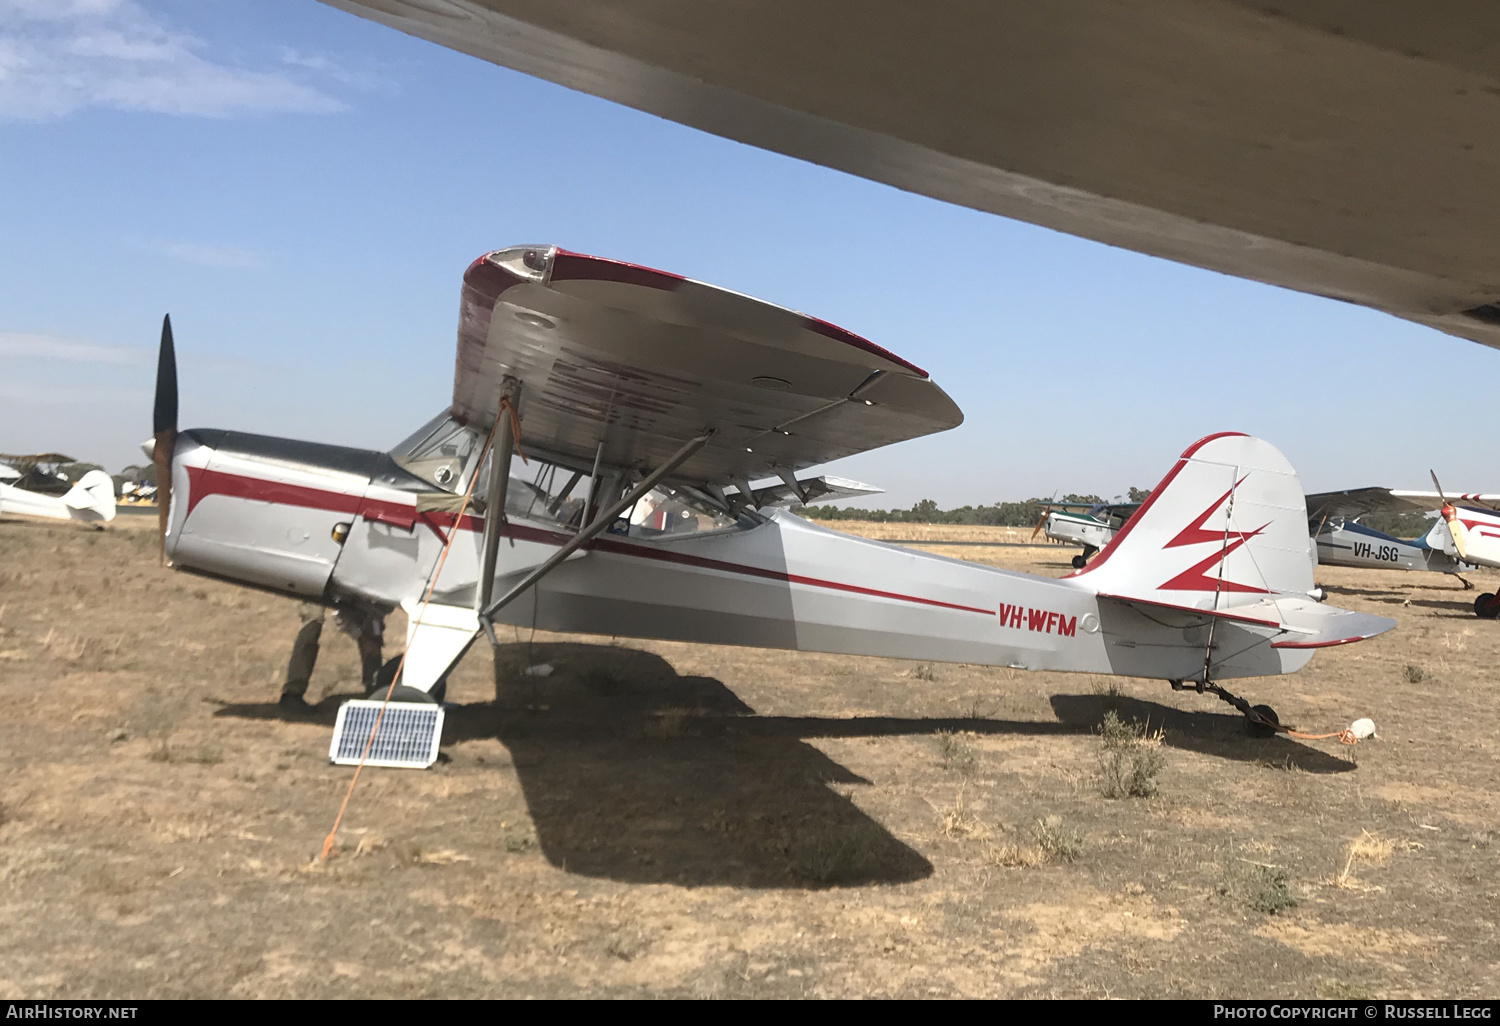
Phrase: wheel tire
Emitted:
{"points": [[402, 693], [1487, 606], [1260, 729], [1079, 562]]}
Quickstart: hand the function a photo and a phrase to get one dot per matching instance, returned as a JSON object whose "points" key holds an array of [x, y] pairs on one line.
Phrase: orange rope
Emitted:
{"points": [[1345, 736], [426, 598]]}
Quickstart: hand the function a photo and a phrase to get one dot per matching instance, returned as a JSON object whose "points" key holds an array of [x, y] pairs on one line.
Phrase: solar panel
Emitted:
{"points": [[408, 737]]}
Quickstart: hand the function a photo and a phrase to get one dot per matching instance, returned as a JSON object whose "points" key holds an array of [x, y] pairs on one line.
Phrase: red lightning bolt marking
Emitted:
{"points": [[1195, 578], [1194, 533]]}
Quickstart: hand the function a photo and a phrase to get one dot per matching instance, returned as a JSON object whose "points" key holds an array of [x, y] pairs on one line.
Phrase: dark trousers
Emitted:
{"points": [[367, 638]]}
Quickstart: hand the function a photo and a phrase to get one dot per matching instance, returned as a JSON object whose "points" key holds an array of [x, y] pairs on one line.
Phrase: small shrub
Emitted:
{"points": [[1413, 674], [1272, 895], [1058, 843], [1130, 757], [834, 857], [954, 752], [924, 671], [666, 724]]}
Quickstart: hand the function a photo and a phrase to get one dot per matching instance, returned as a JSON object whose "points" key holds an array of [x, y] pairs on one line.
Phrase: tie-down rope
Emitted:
{"points": [[505, 404]]}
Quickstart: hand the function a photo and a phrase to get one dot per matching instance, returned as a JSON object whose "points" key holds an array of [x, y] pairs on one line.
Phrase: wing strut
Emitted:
{"points": [[594, 529], [494, 501]]}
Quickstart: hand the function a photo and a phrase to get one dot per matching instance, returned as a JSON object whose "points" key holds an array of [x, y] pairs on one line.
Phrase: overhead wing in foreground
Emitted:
{"points": [[642, 361]]}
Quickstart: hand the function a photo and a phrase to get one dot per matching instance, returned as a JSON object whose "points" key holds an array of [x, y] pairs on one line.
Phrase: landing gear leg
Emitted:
{"points": [[1081, 561], [1261, 720]]}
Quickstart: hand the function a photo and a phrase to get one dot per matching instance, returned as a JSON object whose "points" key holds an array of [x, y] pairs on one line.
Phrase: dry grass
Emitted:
{"points": [[783, 851], [957, 822], [1367, 847], [1047, 843]]}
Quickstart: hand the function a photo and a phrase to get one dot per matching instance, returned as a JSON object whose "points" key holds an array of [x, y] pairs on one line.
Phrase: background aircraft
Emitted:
{"points": [[1091, 525], [1333, 521], [41, 486], [662, 391]]}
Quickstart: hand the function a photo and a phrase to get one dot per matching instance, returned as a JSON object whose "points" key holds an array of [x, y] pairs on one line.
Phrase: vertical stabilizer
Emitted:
{"points": [[1226, 527]]}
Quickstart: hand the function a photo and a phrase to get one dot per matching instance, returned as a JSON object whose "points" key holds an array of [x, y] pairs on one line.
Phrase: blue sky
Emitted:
{"points": [[302, 190]]}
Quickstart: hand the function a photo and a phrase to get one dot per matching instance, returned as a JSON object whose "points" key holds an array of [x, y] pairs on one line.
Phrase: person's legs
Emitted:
{"points": [[370, 641], [304, 657]]}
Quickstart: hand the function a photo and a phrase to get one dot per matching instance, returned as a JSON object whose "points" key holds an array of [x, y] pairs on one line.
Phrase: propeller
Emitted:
{"points": [[1046, 509], [1450, 515], [164, 428]]}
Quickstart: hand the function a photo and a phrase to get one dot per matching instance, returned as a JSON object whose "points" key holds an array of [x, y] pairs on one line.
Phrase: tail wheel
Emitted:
{"points": [[1260, 729], [1079, 562], [1487, 606]]}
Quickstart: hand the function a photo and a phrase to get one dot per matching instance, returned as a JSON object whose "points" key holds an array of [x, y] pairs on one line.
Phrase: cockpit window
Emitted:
{"points": [[670, 511], [438, 452]]}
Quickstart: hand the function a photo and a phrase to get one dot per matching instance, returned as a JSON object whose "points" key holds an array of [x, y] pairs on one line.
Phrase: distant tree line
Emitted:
{"points": [[1002, 514]]}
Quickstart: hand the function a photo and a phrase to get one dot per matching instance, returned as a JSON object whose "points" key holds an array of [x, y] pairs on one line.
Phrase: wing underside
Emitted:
{"points": [[1360, 501]]}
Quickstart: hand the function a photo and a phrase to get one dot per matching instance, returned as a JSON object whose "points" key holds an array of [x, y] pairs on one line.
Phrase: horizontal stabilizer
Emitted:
{"points": [[1290, 621]]}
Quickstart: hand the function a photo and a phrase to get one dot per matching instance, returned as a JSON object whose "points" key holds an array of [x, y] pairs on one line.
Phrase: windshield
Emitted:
{"points": [[438, 452]]}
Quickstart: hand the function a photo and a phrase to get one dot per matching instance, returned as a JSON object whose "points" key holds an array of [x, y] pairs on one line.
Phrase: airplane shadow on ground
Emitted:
{"points": [[1461, 605], [634, 773]]}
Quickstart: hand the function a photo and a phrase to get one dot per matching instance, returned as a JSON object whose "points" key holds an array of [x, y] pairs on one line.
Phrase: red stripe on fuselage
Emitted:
{"points": [[203, 482]]}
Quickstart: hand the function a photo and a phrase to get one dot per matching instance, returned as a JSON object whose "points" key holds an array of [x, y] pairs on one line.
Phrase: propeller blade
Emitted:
{"points": [[1450, 515], [164, 428], [164, 412]]}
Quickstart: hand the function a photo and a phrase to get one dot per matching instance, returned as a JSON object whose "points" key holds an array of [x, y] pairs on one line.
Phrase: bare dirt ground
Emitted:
{"points": [[677, 820]]}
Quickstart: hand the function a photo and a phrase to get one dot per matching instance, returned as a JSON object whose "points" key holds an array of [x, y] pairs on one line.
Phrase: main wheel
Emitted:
{"points": [[1260, 729], [402, 693], [1079, 562], [1487, 606]]}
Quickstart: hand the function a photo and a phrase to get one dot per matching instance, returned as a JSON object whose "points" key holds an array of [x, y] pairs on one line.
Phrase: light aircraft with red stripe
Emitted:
{"points": [[646, 406]]}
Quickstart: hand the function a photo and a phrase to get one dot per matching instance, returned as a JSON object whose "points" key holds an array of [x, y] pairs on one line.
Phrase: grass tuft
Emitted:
{"points": [[1049, 842], [1413, 674]]}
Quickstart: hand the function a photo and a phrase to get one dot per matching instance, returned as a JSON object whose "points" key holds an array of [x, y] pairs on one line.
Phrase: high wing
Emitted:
{"points": [[24, 462], [1359, 501], [643, 361]]}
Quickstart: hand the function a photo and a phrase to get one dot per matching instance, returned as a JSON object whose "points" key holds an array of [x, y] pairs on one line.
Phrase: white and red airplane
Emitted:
{"points": [[91, 498], [656, 391]]}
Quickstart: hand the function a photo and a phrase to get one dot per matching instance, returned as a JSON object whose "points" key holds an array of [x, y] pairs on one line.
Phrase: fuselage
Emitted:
{"points": [[342, 525], [1345, 543]]}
